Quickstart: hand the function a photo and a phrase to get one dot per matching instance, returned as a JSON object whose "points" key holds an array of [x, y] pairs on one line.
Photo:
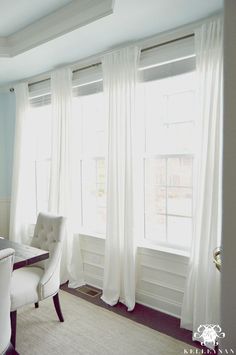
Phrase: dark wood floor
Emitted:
{"points": [[149, 317]]}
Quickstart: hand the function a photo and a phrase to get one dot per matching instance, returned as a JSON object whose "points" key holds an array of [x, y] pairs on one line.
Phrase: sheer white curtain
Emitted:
{"points": [[201, 298], [21, 203], [60, 191], [119, 78]]}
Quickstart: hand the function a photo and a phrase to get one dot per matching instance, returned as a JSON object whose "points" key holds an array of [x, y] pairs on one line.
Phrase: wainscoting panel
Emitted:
{"points": [[161, 280], [164, 291], [160, 275], [159, 303], [4, 217], [162, 260], [93, 250]]}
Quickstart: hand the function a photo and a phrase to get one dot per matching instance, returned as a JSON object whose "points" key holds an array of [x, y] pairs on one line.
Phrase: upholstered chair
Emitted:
{"points": [[6, 264], [34, 283]]}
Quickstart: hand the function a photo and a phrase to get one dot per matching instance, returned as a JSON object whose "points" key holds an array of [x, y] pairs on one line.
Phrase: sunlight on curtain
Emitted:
{"points": [[202, 292], [119, 75], [22, 204], [60, 191]]}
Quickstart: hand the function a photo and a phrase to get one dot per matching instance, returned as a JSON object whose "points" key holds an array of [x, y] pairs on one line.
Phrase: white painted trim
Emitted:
{"points": [[92, 252], [66, 19], [163, 270], [145, 298], [163, 255], [163, 285], [91, 234], [163, 249], [93, 265], [4, 216], [93, 280], [158, 303]]}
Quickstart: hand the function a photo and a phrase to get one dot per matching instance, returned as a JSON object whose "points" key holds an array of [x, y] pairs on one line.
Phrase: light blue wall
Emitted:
{"points": [[7, 128]]}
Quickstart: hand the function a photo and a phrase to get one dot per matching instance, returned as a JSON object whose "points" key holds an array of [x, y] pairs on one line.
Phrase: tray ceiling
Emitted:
{"points": [[78, 29], [22, 13], [36, 25]]}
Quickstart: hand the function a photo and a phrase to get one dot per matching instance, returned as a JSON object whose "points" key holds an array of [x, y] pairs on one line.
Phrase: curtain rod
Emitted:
{"points": [[99, 63], [167, 42]]}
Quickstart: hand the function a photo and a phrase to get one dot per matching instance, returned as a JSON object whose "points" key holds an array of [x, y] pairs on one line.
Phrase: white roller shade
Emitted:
{"points": [[40, 93], [167, 53], [87, 81], [169, 59]]}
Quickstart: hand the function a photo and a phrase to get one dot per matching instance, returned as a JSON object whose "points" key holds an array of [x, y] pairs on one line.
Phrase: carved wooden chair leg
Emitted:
{"points": [[58, 307], [13, 328], [36, 305]]}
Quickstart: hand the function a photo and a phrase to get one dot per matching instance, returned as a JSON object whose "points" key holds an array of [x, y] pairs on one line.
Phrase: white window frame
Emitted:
{"points": [[158, 243], [176, 58]]}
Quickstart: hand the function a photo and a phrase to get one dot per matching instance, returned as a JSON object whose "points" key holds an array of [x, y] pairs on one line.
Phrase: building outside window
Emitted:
{"points": [[169, 116]]}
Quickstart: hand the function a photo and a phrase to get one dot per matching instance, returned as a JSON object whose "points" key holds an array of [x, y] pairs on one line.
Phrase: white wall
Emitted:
{"points": [[229, 180], [161, 275]]}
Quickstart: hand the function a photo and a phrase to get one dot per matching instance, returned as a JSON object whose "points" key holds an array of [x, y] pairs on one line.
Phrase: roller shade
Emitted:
{"points": [[166, 60], [162, 61]]}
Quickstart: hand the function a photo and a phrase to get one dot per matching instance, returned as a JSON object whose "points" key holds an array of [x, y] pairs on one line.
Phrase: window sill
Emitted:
{"points": [[162, 248], [91, 234], [141, 244]]}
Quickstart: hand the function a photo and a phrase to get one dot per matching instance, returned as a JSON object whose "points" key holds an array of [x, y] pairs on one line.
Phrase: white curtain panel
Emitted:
{"points": [[60, 192], [202, 292], [21, 204], [119, 79]]}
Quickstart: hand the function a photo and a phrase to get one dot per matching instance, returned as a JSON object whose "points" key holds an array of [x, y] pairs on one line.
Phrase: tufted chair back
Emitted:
{"points": [[6, 264], [49, 234]]}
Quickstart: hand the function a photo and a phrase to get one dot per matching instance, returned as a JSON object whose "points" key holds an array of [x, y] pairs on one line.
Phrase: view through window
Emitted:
{"points": [[89, 117], [168, 112], [39, 153], [168, 161]]}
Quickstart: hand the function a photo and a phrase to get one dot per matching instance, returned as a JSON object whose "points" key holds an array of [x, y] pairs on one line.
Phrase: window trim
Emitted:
{"points": [[166, 245]]}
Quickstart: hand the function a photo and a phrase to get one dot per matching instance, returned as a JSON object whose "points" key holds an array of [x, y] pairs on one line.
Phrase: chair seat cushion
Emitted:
{"points": [[24, 286]]}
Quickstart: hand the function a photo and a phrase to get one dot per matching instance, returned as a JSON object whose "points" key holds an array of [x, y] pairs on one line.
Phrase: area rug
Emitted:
{"points": [[87, 330]]}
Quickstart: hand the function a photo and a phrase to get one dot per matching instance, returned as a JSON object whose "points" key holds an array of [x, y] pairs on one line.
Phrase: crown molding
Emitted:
{"points": [[76, 14]]}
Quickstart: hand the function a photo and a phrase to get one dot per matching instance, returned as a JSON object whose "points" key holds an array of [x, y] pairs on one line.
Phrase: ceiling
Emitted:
{"points": [[129, 20], [21, 13]]}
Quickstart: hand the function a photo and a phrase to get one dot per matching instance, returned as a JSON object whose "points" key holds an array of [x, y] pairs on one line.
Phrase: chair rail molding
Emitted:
{"points": [[4, 216]]}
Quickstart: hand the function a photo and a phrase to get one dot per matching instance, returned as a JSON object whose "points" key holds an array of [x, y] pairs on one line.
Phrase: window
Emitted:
{"points": [[39, 138], [90, 123], [164, 145], [169, 159]]}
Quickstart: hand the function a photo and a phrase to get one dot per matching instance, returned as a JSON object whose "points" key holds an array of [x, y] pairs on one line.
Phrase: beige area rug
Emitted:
{"points": [[87, 330]]}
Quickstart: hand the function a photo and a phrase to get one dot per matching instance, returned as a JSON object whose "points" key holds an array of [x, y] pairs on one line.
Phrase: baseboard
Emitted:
{"points": [[158, 303]]}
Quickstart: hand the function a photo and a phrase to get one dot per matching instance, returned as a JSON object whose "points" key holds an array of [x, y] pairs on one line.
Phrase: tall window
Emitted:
{"points": [[168, 160], [164, 146], [89, 117], [39, 134]]}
